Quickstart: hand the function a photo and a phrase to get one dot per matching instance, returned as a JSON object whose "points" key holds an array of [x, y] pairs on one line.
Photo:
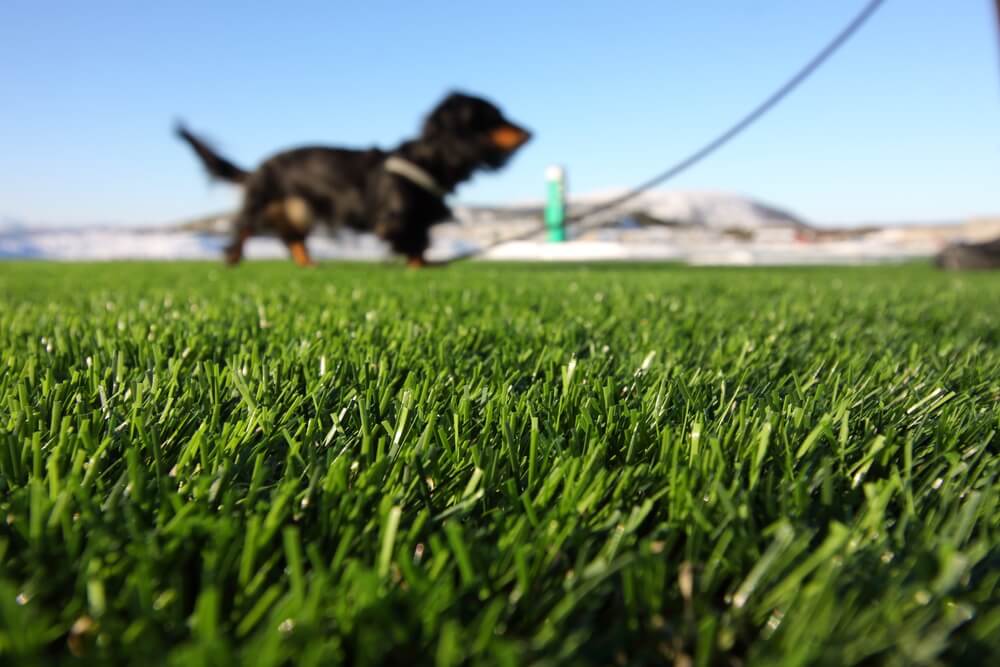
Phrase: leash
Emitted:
{"points": [[712, 146]]}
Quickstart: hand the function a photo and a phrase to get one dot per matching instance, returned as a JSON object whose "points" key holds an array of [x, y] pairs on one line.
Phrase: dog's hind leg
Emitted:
{"points": [[292, 218], [300, 255], [247, 223], [242, 230]]}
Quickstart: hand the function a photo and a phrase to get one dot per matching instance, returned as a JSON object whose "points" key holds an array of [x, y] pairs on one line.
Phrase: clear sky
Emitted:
{"points": [[903, 124]]}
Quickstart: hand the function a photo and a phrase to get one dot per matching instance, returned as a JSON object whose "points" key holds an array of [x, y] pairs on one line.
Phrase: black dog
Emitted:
{"points": [[397, 194]]}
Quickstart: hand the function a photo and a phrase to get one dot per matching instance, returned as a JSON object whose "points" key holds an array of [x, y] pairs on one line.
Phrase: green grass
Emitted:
{"points": [[493, 464]]}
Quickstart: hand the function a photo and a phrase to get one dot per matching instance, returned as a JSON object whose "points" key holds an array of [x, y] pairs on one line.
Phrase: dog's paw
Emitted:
{"points": [[232, 256], [420, 263]]}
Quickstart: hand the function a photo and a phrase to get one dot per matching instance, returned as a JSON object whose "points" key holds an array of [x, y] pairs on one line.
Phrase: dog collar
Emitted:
{"points": [[414, 174]]}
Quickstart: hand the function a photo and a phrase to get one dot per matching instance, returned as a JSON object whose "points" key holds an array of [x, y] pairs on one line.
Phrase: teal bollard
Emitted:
{"points": [[555, 203]]}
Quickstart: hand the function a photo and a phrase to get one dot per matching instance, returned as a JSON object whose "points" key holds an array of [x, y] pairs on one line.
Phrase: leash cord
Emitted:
{"points": [[715, 144]]}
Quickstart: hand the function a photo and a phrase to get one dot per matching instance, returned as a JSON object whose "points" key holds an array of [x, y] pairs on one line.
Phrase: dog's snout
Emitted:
{"points": [[509, 137]]}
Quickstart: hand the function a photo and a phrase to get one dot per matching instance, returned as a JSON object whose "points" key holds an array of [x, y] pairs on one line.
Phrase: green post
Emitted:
{"points": [[555, 204]]}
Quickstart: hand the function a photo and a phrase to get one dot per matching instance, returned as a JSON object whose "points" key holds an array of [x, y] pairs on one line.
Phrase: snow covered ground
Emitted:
{"points": [[99, 244], [716, 254], [700, 228], [109, 243]]}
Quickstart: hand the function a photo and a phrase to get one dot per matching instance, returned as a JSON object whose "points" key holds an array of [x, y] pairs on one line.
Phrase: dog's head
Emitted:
{"points": [[474, 130]]}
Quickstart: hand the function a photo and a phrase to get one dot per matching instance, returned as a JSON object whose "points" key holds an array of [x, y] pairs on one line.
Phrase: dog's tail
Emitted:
{"points": [[217, 166]]}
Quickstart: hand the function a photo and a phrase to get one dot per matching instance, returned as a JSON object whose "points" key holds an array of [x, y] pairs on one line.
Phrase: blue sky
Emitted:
{"points": [[903, 124]]}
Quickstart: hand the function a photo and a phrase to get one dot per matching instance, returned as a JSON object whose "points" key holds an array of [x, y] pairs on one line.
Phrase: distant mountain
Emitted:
{"points": [[702, 209], [216, 223]]}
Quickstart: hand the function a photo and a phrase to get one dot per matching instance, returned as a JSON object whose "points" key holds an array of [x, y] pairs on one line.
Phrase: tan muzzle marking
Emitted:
{"points": [[508, 137]]}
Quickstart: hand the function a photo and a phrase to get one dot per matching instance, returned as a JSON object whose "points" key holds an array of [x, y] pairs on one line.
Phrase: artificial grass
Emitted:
{"points": [[498, 464]]}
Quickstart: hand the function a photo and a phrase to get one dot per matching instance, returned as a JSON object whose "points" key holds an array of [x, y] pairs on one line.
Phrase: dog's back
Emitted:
{"points": [[332, 181]]}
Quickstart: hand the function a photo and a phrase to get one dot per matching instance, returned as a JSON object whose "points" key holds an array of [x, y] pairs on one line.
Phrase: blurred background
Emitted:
{"points": [[889, 152]]}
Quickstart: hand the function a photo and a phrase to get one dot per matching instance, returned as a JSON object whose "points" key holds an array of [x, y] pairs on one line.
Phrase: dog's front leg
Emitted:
{"points": [[406, 239], [416, 262]]}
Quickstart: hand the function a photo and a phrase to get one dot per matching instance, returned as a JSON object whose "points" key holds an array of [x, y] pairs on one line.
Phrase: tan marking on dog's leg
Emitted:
{"points": [[298, 213], [417, 262], [299, 253], [291, 218]]}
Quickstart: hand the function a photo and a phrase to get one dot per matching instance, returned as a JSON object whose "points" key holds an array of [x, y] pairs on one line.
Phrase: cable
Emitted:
{"points": [[740, 126]]}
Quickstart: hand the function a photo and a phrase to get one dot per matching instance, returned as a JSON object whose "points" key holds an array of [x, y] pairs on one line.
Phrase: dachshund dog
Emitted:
{"points": [[397, 194]]}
